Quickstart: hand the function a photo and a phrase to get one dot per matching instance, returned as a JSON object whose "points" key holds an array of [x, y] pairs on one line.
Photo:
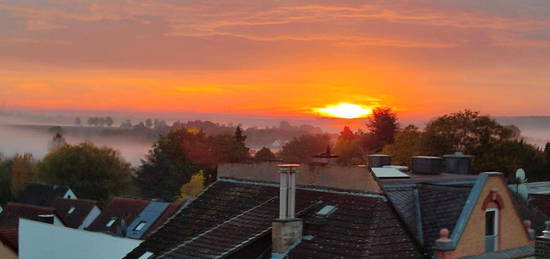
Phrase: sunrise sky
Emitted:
{"points": [[284, 57]]}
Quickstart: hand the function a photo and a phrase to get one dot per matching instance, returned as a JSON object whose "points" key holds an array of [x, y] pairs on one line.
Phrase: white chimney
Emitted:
{"points": [[287, 191], [286, 230]]}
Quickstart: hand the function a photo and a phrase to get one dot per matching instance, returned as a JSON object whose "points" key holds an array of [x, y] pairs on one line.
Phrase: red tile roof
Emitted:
{"points": [[118, 208], [9, 220], [81, 210]]}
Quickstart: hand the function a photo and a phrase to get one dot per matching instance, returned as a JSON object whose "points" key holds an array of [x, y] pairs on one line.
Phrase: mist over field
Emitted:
{"points": [[29, 134]]}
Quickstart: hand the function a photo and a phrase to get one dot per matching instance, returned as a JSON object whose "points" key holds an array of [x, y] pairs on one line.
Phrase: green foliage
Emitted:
{"points": [[508, 156], [180, 154], [465, 131], [381, 128], [264, 155], [302, 149], [93, 172], [349, 148], [408, 142], [15, 173]]}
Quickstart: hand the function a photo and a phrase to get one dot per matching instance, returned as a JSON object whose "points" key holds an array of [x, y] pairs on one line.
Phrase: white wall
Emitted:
{"points": [[90, 218], [70, 195], [41, 240]]}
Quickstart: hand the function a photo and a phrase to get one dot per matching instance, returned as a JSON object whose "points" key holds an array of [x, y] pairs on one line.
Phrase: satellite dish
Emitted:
{"points": [[520, 175]]}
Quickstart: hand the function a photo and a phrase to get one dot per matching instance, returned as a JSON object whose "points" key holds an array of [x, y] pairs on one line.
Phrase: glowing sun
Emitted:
{"points": [[344, 111]]}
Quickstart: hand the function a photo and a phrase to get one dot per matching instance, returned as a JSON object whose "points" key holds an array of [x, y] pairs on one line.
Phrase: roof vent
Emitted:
{"points": [[378, 160], [457, 163], [327, 210], [427, 165]]}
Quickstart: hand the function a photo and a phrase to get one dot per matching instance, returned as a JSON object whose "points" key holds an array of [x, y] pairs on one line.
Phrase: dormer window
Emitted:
{"points": [[491, 229], [111, 222], [71, 210], [140, 226]]}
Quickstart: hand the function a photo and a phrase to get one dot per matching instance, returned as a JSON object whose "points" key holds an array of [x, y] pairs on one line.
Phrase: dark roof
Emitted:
{"points": [[427, 208], [9, 220], [8, 236], [118, 208], [231, 217], [166, 215], [430, 178], [81, 210], [41, 194], [541, 202]]}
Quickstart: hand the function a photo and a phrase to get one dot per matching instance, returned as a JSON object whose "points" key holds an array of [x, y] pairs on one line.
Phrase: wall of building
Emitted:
{"points": [[6, 252], [94, 213], [330, 176], [512, 233]]}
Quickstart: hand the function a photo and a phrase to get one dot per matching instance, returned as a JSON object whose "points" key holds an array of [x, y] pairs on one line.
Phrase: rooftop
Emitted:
{"points": [[72, 211], [42, 194], [233, 217], [117, 210]]}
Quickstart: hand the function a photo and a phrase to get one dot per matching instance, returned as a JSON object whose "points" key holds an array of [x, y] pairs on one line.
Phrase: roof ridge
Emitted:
{"points": [[217, 226]]}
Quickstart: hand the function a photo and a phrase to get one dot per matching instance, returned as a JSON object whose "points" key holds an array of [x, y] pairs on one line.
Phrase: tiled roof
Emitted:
{"points": [[41, 194], [118, 209], [541, 202], [166, 215], [427, 208], [8, 236], [235, 217], [9, 220], [79, 210]]}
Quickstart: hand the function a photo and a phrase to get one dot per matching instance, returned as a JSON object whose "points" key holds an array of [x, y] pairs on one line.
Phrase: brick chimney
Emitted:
{"points": [[542, 244], [287, 229]]}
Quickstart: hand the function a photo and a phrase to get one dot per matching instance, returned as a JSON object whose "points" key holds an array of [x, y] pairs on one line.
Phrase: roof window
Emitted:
{"points": [[327, 210], [140, 226], [111, 222], [71, 210]]}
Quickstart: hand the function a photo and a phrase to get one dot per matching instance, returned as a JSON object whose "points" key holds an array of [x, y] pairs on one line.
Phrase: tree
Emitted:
{"points": [[381, 128], [22, 170], [547, 152], [5, 182], [93, 172], [508, 156], [408, 142], [171, 162], [92, 121], [264, 155], [148, 123], [77, 121], [109, 121], [346, 134], [302, 149], [193, 187]]}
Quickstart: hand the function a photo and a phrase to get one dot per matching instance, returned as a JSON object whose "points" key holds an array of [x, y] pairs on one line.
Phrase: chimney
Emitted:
{"points": [[378, 160], [427, 165], [542, 244], [457, 163], [287, 229]]}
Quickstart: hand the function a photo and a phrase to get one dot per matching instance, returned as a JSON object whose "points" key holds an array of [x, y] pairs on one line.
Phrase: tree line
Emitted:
{"points": [[184, 159]]}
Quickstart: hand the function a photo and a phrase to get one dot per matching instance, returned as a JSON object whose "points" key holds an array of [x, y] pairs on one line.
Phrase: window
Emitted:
{"points": [[71, 210], [325, 211], [490, 223], [491, 230], [111, 222], [140, 226]]}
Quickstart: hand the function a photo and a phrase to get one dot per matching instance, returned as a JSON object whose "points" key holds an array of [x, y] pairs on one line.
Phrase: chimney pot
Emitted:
{"points": [[286, 230]]}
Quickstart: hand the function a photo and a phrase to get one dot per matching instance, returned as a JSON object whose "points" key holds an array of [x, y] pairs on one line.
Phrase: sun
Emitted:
{"points": [[344, 111]]}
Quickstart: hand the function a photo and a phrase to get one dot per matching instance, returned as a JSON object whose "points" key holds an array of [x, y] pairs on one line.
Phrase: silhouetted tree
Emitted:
{"points": [[408, 142], [148, 123], [346, 134], [303, 148], [77, 121], [109, 121], [381, 128], [93, 172], [264, 155]]}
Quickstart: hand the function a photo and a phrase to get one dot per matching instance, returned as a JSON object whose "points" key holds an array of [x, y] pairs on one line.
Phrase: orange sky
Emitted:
{"points": [[276, 57]]}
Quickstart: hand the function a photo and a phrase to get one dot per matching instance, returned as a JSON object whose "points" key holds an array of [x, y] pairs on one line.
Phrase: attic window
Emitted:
{"points": [[140, 226], [327, 210], [111, 222]]}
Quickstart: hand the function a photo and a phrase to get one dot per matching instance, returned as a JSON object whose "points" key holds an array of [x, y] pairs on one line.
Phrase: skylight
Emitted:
{"points": [[71, 210], [140, 226], [111, 222], [325, 211]]}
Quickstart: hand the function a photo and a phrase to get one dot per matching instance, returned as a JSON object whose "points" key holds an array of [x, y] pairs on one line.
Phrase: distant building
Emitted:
{"points": [[39, 240], [45, 195], [133, 218], [9, 224], [76, 213]]}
